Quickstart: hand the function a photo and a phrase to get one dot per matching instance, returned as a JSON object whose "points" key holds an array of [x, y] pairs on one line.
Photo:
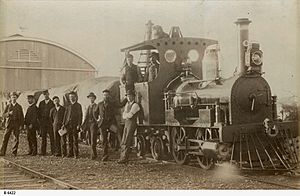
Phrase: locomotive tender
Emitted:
{"points": [[189, 111]]}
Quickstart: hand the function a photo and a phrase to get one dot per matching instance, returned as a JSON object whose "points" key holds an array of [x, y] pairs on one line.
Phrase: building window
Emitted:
{"points": [[24, 55]]}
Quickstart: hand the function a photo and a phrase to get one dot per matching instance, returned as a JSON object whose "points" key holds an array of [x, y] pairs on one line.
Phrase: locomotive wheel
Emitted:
{"points": [[178, 139], [205, 163], [141, 146], [157, 148]]}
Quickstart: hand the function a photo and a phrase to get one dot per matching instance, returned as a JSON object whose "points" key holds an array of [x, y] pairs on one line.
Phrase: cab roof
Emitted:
{"points": [[155, 43]]}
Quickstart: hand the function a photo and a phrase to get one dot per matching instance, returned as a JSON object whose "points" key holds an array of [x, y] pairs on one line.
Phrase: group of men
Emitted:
{"points": [[63, 124]]}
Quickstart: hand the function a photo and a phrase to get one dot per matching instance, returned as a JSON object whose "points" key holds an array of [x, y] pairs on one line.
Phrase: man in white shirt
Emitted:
{"points": [[130, 115]]}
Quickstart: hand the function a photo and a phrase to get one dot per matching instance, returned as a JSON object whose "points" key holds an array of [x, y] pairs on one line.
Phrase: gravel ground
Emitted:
{"points": [[138, 174]]}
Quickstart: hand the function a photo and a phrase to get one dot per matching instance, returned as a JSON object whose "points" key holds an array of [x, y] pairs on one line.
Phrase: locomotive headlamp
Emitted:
{"points": [[257, 57], [170, 56], [253, 57]]}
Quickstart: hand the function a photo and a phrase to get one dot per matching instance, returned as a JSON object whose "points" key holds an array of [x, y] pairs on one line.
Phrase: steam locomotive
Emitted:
{"points": [[190, 112]]}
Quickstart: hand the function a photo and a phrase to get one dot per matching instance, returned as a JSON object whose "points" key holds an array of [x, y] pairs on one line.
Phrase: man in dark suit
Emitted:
{"points": [[14, 120], [45, 123], [107, 120], [32, 125], [72, 121], [131, 73], [90, 123], [57, 116]]}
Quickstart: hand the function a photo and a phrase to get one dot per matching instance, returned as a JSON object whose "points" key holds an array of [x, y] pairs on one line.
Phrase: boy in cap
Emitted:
{"points": [[31, 125], [14, 120], [153, 67], [45, 123], [57, 116], [90, 124], [72, 122], [130, 115]]}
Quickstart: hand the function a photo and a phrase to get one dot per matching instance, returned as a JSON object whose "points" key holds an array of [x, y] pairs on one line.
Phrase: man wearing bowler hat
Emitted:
{"points": [[90, 124], [72, 122], [57, 116], [130, 115], [31, 124], [45, 123], [14, 120]]}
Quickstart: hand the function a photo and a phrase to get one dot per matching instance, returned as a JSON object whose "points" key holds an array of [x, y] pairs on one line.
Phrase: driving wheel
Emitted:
{"points": [[178, 139], [157, 148]]}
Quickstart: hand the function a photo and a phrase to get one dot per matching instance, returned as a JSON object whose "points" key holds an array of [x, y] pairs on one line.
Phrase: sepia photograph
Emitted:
{"points": [[149, 95]]}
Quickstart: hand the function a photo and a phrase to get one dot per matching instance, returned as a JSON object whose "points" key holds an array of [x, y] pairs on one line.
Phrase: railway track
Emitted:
{"points": [[15, 176], [294, 184], [257, 178]]}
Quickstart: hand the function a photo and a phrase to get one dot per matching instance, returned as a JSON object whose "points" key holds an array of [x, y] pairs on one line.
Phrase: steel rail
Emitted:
{"points": [[40, 175], [246, 177]]}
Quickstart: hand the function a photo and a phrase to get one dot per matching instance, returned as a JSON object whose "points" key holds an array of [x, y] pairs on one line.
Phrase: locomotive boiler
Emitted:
{"points": [[190, 111]]}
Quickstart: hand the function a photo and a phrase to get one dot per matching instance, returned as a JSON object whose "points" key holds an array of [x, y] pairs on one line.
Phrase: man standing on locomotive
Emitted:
{"points": [[131, 73], [32, 125], [90, 124], [14, 120], [72, 121], [130, 115], [152, 68], [45, 123]]}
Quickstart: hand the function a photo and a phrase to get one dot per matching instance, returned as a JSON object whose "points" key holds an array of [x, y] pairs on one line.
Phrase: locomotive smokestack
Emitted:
{"points": [[243, 34]]}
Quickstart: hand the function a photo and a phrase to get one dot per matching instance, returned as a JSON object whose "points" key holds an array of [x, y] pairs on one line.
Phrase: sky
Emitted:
{"points": [[99, 29]]}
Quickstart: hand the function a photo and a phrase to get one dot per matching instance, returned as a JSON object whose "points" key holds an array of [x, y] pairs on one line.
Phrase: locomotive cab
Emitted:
{"points": [[173, 51]]}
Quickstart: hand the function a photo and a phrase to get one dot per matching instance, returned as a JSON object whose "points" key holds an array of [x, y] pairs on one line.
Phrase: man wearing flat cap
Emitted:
{"points": [[130, 115], [45, 123], [153, 67], [57, 116], [31, 124], [14, 120], [90, 124], [72, 122], [130, 73]]}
